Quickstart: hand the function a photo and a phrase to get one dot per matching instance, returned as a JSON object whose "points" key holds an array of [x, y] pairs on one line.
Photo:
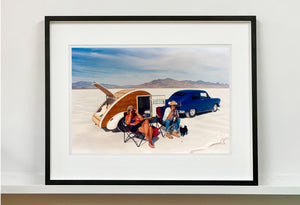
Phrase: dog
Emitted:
{"points": [[183, 130]]}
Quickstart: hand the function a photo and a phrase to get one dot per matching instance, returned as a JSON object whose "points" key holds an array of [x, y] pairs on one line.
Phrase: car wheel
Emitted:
{"points": [[191, 113], [215, 108], [122, 125]]}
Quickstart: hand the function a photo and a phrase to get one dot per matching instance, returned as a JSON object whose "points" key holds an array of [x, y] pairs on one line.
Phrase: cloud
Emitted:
{"points": [[190, 63]]}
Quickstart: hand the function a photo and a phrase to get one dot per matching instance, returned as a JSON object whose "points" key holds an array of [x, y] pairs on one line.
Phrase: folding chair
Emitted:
{"points": [[159, 120], [136, 137]]}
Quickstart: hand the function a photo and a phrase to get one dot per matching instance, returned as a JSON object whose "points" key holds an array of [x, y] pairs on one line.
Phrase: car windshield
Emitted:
{"points": [[179, 94]]}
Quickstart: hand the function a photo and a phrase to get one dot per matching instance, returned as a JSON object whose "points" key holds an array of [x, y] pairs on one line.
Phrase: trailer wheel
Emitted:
{"points": [[122, 125]]}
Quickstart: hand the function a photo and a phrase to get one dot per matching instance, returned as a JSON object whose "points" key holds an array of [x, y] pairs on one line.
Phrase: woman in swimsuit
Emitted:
{"points": [[137, 123]]}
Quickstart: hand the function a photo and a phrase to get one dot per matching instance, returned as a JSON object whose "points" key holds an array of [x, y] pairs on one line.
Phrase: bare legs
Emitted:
{"points": [[148, 131]]}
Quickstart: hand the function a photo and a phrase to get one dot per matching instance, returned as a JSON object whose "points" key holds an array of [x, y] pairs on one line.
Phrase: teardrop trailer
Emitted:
{"points": [[110, 114]]}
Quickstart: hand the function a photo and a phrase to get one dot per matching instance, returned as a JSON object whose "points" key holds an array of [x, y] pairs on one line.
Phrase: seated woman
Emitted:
{"points": [[137, 123]]}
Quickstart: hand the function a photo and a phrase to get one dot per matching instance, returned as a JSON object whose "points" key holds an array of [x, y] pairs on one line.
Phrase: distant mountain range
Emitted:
{"points": [[171, 83], [159, 83], [88, 85]]}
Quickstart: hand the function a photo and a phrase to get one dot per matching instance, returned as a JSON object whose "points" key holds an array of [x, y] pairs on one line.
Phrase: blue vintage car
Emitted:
{"points": [[191, 102]]}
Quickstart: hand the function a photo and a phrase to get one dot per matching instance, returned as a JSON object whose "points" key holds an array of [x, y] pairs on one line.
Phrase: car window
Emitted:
{"points": [[196, 96], [180, 94], [204, 95]]}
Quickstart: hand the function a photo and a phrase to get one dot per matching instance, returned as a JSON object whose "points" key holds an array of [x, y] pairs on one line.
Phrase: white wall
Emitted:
{"points": [[23, 92]]}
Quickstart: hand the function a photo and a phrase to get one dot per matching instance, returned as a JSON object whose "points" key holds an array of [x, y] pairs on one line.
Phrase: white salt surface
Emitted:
{"points": [[208, 133]]}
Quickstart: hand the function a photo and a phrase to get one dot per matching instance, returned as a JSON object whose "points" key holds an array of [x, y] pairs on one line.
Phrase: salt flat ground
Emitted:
{"points": [[208, 133]]}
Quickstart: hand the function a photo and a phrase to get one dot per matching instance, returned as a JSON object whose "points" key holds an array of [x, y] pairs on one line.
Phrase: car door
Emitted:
{"points": [[205, 101], [196, 102]]}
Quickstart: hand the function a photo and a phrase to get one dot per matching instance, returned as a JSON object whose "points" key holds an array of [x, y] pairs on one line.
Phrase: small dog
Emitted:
{"points": [[183, 130]]}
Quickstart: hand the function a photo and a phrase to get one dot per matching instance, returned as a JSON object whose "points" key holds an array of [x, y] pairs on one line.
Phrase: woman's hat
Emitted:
{"points": [[130, 107]]}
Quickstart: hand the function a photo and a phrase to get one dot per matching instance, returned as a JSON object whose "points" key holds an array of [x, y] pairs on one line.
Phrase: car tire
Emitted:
{"points": [[215, 108], [121, 125], [191, 113]]}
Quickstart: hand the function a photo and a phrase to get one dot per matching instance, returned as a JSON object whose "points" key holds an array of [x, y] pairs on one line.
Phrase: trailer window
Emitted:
{"points": [[143, 105]]}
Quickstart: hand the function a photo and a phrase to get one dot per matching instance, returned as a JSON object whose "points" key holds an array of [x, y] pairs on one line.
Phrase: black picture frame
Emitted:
{"points": [[251, 19]]}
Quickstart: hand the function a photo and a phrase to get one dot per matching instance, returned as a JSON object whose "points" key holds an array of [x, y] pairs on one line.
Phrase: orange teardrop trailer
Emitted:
{"points": [[110, 114]]}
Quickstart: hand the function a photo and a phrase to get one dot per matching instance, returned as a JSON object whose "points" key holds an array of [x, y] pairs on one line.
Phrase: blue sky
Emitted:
{"points": [[137, 65]]}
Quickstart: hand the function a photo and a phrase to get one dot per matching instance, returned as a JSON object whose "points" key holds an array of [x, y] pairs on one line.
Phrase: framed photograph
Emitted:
{"points": [[151, 100]]}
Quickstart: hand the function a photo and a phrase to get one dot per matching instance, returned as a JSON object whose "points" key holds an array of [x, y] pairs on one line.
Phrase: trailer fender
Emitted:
{"points": [[113, 122]]}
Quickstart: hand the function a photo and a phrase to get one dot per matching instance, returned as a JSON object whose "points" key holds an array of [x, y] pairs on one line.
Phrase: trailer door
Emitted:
{"points": [[143, 105]]}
